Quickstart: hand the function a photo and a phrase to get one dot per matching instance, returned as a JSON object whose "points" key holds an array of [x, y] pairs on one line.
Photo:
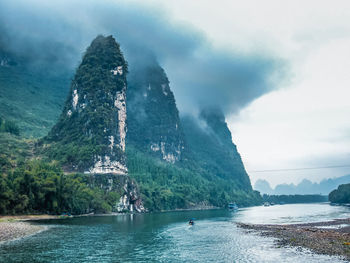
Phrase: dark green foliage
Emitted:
{"points": [[30, 186], [208, 172], [9, 126], [85, 125], [14, 151], [340, 195], [165, 186], [294, 199], [32, 99], [39, 187], [211, 147]]}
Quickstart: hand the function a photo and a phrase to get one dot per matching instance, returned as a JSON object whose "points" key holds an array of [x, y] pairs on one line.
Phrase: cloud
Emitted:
{"points": [[226, 80], [59, 31]]}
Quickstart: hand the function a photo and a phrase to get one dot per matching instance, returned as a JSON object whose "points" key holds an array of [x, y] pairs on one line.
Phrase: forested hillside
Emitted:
{"points": [[31, 96], [341, 195], [119, 142]]}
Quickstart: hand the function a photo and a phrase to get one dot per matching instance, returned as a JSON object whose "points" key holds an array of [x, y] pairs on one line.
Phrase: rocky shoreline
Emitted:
{"points": [[329, 238], [16, 227], [14, 230]]}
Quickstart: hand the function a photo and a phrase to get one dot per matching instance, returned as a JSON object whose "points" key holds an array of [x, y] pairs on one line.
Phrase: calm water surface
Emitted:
{"points": [[166, 237]]}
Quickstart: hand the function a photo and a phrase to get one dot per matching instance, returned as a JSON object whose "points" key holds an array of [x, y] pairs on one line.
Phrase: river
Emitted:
{"points": [[166, 237]]}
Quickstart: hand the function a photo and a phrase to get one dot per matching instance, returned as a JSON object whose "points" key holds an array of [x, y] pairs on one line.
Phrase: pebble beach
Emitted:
{"points": [[15, 230], [330, 238], [15, 227]]}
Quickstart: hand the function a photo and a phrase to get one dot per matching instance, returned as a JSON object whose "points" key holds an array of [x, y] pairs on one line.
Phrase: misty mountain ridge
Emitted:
{"points": [[43, 59], [117, 129], [32, 91], [304, 187], [54, 39], [153, 118], [211, 145]]}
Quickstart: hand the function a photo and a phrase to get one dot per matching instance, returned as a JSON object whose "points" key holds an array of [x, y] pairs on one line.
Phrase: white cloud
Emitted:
{"points": [[306, 122], [302, 124]]}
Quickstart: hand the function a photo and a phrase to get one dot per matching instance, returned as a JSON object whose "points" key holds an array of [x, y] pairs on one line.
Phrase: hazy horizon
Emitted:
{"points": [[278, 70]]}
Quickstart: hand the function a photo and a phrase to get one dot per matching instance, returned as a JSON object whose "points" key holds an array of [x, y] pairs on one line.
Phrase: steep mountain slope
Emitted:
{"points": [[210, 142], [31, 96], [90, 134], [153, 118], [177, 163]]}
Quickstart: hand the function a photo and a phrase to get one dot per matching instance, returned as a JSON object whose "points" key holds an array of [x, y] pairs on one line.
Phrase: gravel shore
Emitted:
{"points": [[14, 230], [330, 238]]}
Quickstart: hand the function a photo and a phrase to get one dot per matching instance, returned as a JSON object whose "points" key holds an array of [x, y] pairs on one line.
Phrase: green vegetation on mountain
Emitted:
{"points": [[341, 195], [33, 186], [41, 187], [90, 117], [177, 163], [166, 186], [8, 126], [210, 144], [31, 98], [14, 151]]}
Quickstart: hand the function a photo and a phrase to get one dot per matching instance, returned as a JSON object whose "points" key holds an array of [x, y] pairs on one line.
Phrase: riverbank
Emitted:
{"points": [[329, 238], [14, 230], [17, 226], [17, 218]]}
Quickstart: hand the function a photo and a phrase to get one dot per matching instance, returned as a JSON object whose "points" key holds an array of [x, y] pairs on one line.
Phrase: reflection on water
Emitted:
{"points": [[293, 213], [166, 237]]}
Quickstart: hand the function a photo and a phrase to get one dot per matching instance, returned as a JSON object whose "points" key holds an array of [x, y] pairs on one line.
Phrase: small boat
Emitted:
{"points": [[191, 222], [65, 215], [232, 207]]}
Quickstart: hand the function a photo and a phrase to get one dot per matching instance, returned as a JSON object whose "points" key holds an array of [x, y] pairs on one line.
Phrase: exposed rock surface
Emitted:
{"points": [[90, 135], [153, 121], [130, 199], [104, 119], [204, 152]]}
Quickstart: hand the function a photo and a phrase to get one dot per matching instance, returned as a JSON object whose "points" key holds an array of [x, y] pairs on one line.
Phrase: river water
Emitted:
{"points": [[166, 237]]}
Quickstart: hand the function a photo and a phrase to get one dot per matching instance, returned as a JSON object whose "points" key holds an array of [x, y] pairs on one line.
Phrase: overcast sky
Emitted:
{"points": [[279, 69], [305, 122]]}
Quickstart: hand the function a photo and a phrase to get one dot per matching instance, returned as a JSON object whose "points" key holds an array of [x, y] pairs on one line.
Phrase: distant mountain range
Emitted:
{"points": [[304, 187]]}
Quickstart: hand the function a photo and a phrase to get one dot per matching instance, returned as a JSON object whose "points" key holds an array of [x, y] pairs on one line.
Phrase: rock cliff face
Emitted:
{"points": [[130, 199], [90, 135], [92, 126], [153, 121], [199, 163], [103, 121]]}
